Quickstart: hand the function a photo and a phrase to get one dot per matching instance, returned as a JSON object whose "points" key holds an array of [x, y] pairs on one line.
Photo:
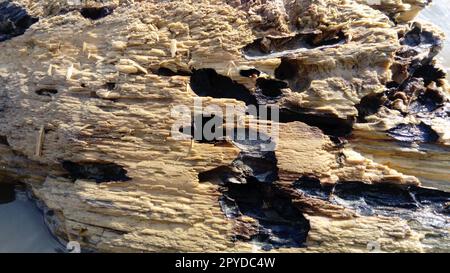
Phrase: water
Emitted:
{"points": [[22, 227], [439, 14]]}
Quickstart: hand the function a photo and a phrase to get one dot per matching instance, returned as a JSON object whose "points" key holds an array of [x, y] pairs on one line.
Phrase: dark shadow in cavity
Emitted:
{"points": [[163, 71], [414, 133], [7, 192], [376, 195], [249, 189], [4, 140], [256, 162], [95, 13], [329, 124], [421, 101], [428, 101], [290, 70], [312, 187], [265, 47], [429, 73], [279, 222], [206, 82], [110, 86], [217, 175], [250, 73], [384, 199], [270, 87], [369, 105], [14, 20], [245, 168], [287, 70], [100, 172], [46, 92], [205, 129]]}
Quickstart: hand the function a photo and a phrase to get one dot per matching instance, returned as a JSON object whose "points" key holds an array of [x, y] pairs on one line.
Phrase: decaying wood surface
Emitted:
{"points": [[86, 95]]}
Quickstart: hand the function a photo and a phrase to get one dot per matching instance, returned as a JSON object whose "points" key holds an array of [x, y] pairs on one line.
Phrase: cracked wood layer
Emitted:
{"points": [[86, 95]]}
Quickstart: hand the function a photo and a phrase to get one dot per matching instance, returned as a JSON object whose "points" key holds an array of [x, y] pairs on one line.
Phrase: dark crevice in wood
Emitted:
{"points": [[250, 73], [407, 202], [205, 129], [329, 124], [46, 92], [249, 188], [99, 172], [279, 223], [267, 47], [270, 87], [96, 13], [14, 20], [4, 140], [207, 82], [163, 71]]}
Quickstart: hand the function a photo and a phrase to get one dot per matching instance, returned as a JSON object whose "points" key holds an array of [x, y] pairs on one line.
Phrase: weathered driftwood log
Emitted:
{"points": [[87, 94]]}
